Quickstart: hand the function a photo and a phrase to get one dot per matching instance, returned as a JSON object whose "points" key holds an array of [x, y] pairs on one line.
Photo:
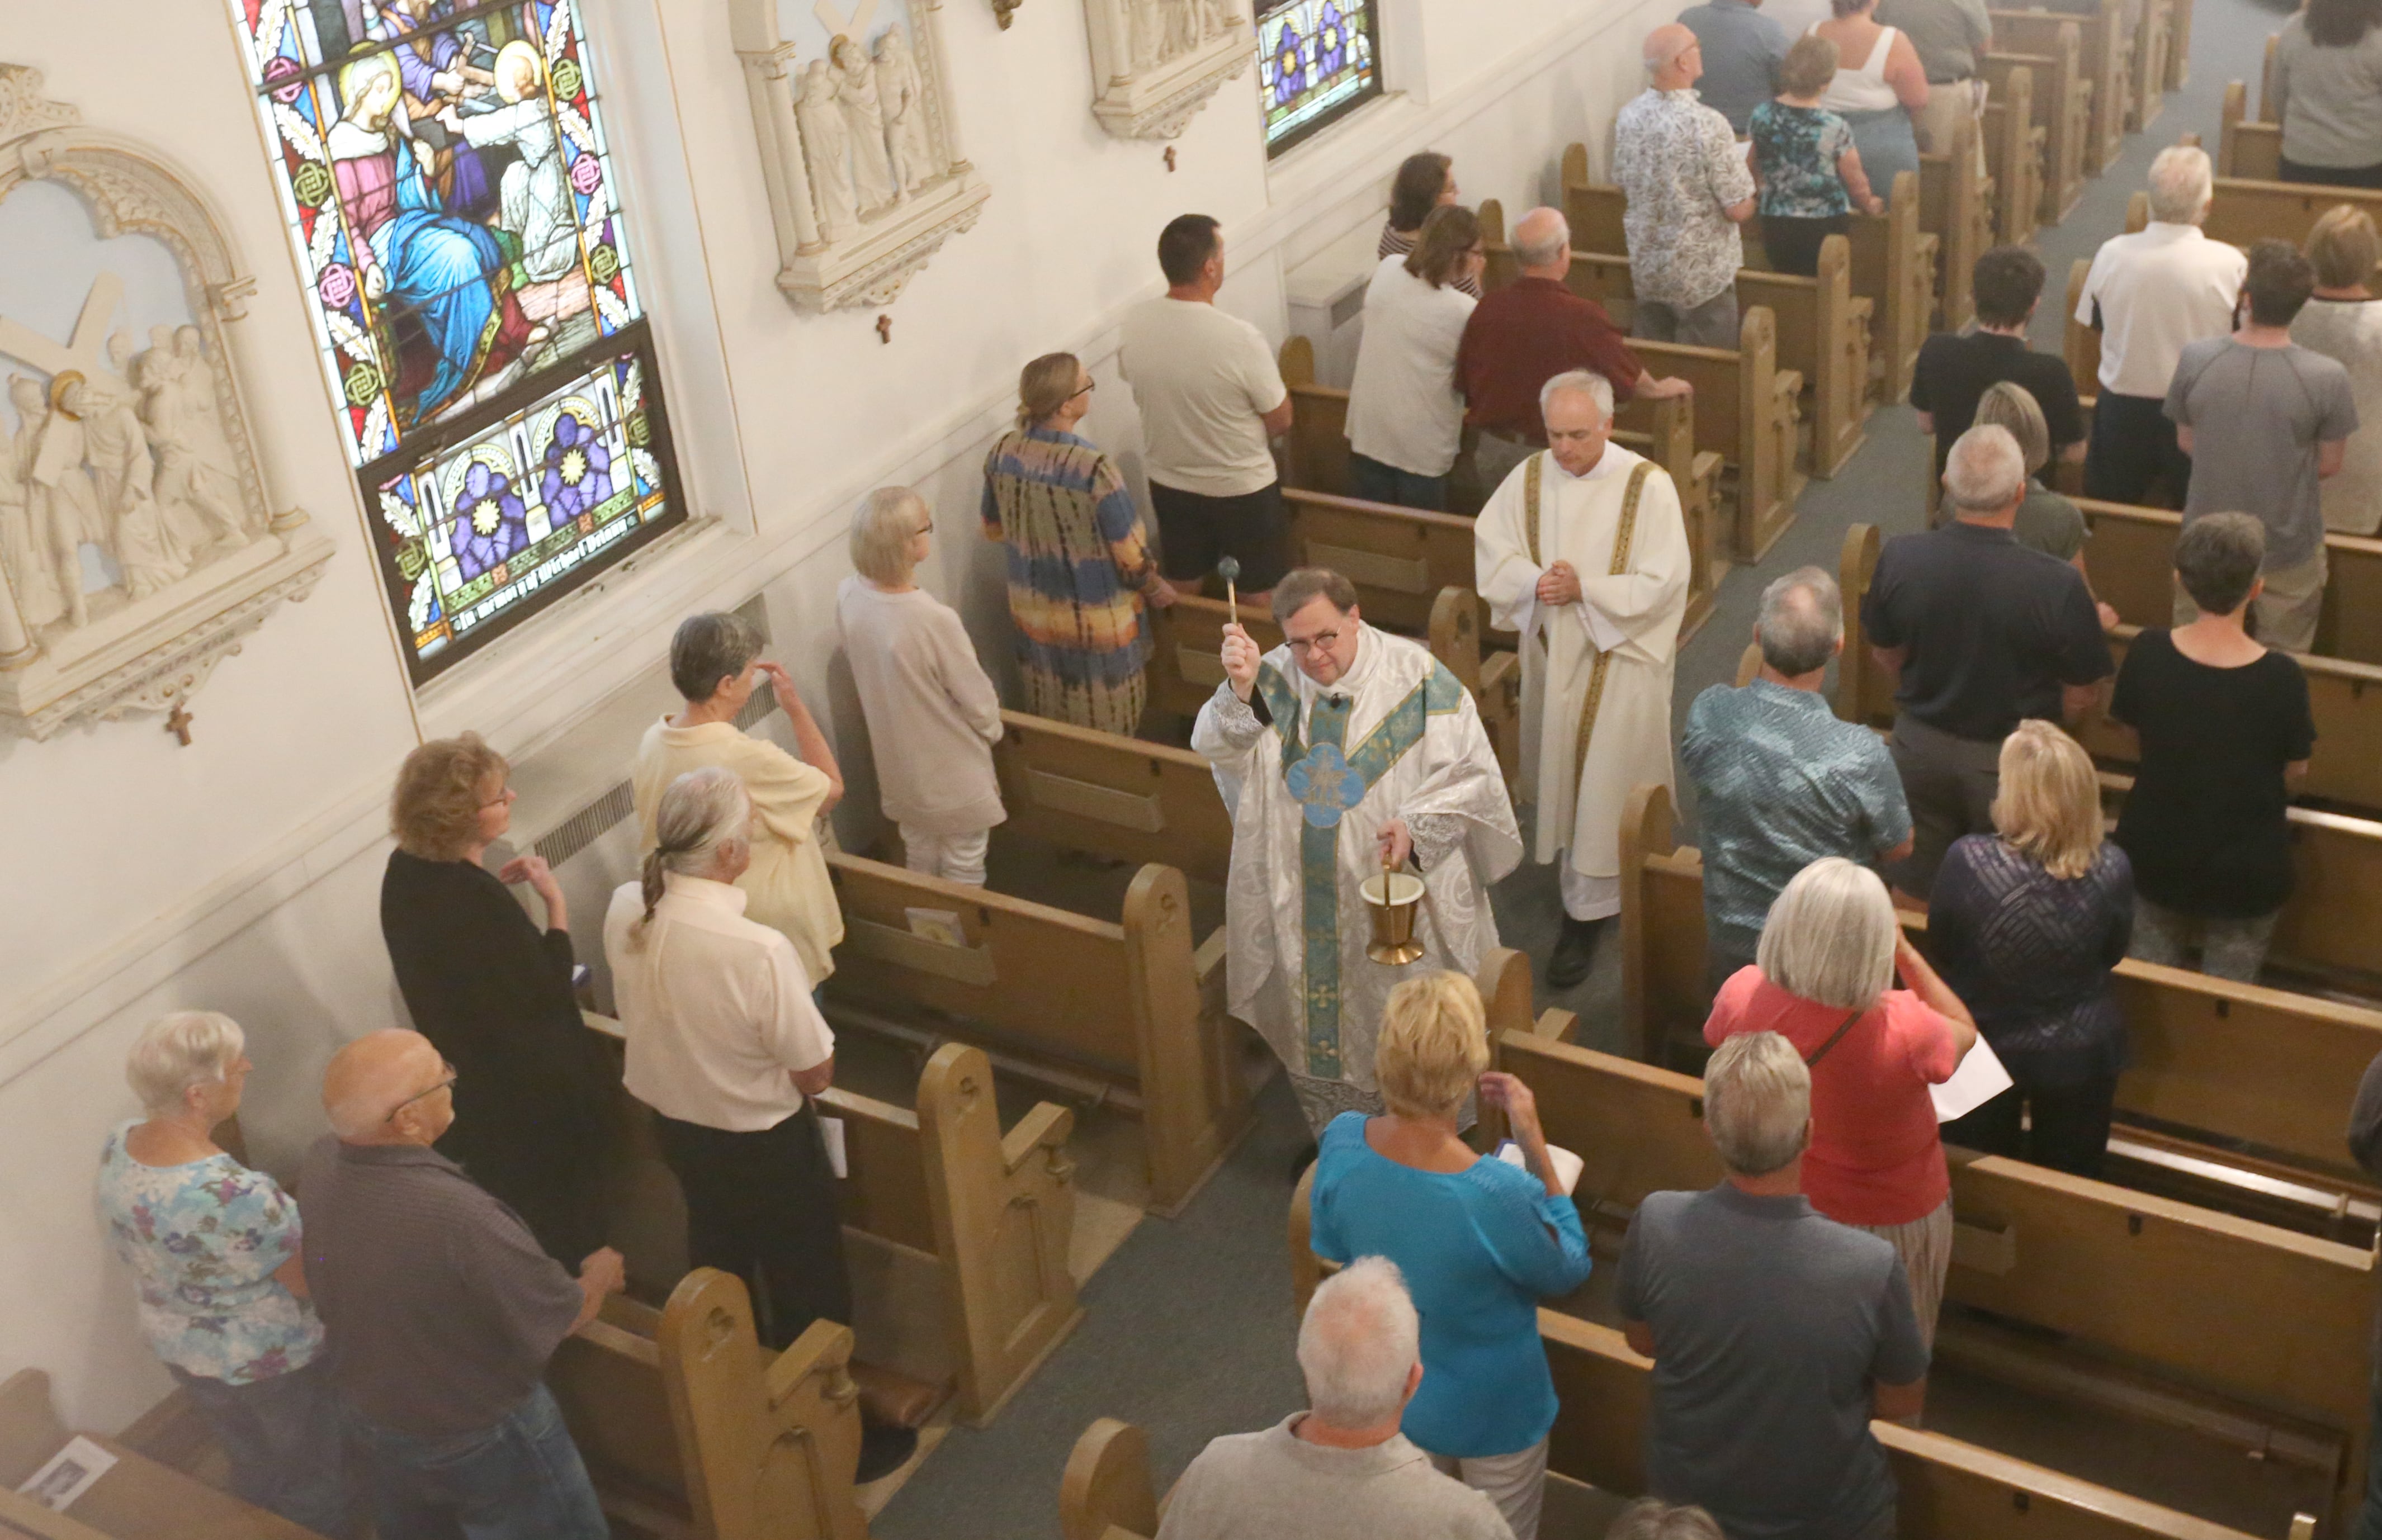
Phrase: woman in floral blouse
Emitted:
{"points": [[213, 1248], [1803, 156]]}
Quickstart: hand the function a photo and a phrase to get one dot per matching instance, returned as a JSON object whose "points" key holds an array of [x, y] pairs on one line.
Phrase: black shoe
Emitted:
{"points": [[884, 1451], [1575, 953]]}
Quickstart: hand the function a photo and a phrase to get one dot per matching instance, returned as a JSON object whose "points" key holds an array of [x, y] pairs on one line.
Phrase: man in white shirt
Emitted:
{"points": [[1340, 1470], [2148, 294], [1211, 397], [727, 1046]]}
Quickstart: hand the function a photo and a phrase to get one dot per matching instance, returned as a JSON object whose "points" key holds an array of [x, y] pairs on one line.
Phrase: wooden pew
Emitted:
{"points": [[2079, 343], [2014, 154], [2146, 65], [1185, 640], [139, 1498], [2247, 150], [2131, 558], [1746, 410], [1824, 336], [1956, 207], [2100, 63], [690, 1427], [2254, 1334], [955, 1233], [1081, 790], [1125, 1007], [2063, 110], [2178, 44], [1893, 266], [1949, 1490], [2242, 211], [1401, 559], [2346, 769], [2233, 1061]]}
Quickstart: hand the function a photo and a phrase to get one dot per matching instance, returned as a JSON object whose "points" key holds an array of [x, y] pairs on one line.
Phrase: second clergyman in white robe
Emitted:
{"points": [[1596, 675], [1396, 736]]}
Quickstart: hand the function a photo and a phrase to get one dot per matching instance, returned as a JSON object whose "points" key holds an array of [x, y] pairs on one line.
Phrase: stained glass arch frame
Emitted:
{"points": [[1317, 61], [458, 222]]}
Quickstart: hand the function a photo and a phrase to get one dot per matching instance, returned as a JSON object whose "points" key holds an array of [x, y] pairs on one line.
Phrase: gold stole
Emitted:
{"points": [[1531, 471]]}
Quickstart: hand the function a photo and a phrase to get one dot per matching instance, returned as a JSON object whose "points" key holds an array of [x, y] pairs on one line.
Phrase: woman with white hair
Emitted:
{"points": [[1479, 1242], [1822, 980], [933, 714], [726, 1048], [213, 1248], [2028, 921]]}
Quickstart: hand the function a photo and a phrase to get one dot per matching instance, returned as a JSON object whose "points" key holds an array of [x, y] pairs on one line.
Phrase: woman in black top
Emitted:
{"points": [[2026, 923], [493, 993], [2224, 725]]}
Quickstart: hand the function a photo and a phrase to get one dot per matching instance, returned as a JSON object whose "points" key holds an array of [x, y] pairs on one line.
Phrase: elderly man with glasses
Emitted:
{"points": [[1343, 754], [442, 1312]]}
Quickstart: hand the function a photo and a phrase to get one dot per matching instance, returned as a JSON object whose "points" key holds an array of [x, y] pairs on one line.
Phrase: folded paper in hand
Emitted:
{"points": [[1568, 1165], [1979, 1080]]}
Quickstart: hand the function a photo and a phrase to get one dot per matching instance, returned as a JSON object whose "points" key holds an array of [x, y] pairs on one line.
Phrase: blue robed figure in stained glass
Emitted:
{"points": [[440, 277]]}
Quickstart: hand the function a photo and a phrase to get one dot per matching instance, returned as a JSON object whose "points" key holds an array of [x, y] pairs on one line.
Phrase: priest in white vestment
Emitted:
{"points": [[1344, 747], [1583, 551]]}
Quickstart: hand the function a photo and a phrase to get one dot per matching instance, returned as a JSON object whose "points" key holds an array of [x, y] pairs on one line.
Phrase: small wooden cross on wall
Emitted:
{"points": [[179, 724], [1169, 157], [885, 328]]}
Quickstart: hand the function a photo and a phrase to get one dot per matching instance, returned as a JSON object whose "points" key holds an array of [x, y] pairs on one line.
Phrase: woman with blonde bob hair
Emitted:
{"points": [[933, 714], [214, 1250], [2028, 921], [2343, 321], [1080, 566], [1824, 979], [1481, 1241], [495, 993]]}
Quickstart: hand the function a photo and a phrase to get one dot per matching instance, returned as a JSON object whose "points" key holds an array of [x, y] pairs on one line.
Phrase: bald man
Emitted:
{"points": [[1525, 333], [442, 1312], [1688, 191]]}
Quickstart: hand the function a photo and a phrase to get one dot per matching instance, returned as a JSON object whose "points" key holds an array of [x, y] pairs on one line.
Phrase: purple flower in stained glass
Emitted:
{"points": [[337, 285], [1330, 42], [578, 470], [279, 74], [490, 523], [1289, 64], [587, 174]]}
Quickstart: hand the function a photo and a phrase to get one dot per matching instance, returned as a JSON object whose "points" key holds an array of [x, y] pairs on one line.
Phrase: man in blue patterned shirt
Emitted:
{"points": [[1779, 780]]}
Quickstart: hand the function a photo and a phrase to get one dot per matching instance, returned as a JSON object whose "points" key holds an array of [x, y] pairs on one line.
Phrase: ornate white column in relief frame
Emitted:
{"points": [[138, 548], [1156, 62], [860, 145]]}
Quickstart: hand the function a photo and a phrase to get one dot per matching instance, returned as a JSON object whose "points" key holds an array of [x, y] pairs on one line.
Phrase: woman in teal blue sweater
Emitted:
{"points": [[1479, 1242]]}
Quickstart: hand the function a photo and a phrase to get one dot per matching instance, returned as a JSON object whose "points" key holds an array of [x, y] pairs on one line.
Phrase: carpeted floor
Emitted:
{"points": [[1189, 1331]]}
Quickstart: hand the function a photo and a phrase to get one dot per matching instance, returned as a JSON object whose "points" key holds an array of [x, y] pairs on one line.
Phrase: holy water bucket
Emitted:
{"points": [[1393, 897]]}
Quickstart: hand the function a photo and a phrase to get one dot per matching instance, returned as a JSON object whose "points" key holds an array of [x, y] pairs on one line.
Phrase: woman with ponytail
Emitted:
{"points": [[728, 1048]]}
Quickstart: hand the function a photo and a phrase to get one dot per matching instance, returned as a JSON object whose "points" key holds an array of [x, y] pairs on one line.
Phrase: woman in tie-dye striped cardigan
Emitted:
{"points": [[1079, 561]]}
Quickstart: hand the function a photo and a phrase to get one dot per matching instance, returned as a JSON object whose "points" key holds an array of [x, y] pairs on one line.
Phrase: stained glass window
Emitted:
{"points": [[1316, 62], [447, 182]]}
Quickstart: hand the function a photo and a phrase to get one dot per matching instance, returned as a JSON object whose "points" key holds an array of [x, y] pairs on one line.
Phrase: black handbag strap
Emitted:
{"points": [[1835, 1038]]}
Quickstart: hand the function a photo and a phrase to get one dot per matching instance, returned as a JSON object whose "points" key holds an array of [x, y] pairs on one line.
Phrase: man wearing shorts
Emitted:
{"points": [[1210, 398]]}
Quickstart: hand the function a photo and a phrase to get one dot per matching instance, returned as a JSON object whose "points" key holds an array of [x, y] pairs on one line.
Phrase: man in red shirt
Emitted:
{"points": [[1525, 333]]}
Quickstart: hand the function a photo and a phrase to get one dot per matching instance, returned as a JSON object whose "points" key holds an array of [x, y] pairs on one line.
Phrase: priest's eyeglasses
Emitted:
{"points": [[447, 1077], [1321, 640]]}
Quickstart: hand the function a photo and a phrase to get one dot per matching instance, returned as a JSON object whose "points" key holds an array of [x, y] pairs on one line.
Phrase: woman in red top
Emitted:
{"points": [[1822, 979]]}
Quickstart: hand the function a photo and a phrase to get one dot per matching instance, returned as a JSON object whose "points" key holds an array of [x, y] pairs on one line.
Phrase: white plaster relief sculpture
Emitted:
{"points": [[137, 546], [1155, 63], [859, 146]]}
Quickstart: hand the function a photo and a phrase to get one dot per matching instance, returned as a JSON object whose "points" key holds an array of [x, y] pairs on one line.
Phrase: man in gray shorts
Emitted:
{"points": [[1776, 1333]]}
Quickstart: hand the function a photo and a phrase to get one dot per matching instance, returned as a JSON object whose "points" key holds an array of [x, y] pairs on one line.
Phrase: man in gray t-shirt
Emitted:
{"points": [[1775, 1332], [2264, 420]]}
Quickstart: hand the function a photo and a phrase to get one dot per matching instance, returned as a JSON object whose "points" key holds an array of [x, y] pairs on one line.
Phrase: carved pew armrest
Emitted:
{"points": [[1048, 1127]]}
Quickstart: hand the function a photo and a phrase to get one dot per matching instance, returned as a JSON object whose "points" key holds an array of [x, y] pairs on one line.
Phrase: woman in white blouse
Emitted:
{"points": [[933, 714], [2344, 322], [1404, 418]]}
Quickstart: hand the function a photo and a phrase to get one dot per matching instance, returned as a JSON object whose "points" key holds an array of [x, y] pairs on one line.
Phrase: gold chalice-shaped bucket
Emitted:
{"points": [[1393, 898]]}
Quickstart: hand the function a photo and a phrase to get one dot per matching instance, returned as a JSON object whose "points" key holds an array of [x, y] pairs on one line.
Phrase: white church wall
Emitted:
{"points": [[241, 873]]}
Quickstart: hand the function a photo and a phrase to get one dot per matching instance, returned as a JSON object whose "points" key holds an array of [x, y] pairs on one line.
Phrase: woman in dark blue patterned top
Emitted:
{"points": [[1803, 156], [2026, 924]]}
